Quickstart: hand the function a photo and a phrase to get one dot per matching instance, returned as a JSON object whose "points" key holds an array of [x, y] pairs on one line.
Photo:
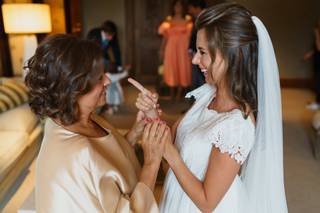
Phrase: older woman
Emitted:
{"points": [[84, 164]]}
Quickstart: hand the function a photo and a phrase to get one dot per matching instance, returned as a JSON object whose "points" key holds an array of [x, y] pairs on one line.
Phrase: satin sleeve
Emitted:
{"points": [[141, 199], [113, 189]]}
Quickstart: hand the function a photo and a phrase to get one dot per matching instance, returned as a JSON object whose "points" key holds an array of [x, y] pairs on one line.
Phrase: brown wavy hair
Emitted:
{"points": [[62, 69], [230, 29]]}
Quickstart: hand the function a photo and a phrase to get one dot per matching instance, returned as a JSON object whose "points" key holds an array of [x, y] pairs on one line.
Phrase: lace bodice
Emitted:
{"points": [[202, 128], [197, 133]]}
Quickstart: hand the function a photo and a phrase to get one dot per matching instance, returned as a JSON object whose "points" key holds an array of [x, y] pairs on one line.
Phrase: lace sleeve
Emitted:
{"points": [[234, 136]]}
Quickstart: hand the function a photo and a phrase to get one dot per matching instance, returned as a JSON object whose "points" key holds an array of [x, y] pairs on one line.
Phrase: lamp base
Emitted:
{"points": [[22, 47]]}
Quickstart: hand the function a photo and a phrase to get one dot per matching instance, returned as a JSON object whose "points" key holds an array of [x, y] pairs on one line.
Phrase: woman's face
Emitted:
{"points": [[97, 95], [214, 72]]}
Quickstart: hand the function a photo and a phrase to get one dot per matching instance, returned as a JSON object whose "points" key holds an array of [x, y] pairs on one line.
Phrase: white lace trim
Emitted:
{"points": [[230, 133], [234, 136], [237, 152]]}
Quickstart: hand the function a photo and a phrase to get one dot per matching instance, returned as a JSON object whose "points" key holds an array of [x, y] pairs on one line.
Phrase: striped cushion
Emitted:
{"points": [[13, 93]]}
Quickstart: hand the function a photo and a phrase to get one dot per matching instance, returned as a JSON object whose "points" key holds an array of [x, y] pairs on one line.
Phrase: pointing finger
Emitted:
{"points": [[137, 85]]}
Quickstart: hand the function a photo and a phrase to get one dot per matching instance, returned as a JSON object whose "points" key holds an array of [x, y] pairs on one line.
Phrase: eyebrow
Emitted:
{"points": [[201, 48]]}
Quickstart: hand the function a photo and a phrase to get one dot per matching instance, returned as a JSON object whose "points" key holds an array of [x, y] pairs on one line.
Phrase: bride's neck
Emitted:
{"points": [[223, 101]]}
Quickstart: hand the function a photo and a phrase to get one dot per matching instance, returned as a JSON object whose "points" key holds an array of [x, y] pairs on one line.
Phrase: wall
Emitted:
{"points": [[57, 16], [290, 24], [96, 11]]}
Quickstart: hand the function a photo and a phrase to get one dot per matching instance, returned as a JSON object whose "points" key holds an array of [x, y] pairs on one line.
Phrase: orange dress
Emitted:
{"points": [[177, 62]]}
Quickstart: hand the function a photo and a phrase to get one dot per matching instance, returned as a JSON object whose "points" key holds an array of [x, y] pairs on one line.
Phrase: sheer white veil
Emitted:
{"points": [[262, 173]]}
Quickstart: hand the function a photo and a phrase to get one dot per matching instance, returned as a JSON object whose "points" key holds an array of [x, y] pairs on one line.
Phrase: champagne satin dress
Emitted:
{"points": [[81, 174]]}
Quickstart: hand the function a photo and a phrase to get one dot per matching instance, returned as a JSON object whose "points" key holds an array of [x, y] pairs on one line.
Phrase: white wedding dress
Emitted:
{"points": [[198, 131]]}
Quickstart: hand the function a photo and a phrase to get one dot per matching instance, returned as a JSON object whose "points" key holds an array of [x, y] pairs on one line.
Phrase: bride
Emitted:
{"points": [[227, 151]]}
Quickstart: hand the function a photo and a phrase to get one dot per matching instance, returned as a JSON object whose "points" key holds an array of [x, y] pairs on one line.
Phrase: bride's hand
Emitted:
{"points": [[147, 103], [170, 150]]}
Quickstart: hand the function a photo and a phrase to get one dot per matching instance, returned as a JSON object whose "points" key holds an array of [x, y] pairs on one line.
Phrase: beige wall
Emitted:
{"points": [[290, 24], [57, 16], [96, 11]]}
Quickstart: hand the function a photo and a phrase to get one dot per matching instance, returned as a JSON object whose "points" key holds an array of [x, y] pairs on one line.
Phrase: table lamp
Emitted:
{"points": [[22, 21]]}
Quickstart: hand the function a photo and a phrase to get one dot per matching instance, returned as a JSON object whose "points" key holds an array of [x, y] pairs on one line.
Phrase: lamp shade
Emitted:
{"points": [[26, 18]]}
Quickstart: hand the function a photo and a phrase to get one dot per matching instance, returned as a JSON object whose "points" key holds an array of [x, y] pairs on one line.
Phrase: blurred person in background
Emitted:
{"points": [[107, 37], [315, 54], [176, 31]]}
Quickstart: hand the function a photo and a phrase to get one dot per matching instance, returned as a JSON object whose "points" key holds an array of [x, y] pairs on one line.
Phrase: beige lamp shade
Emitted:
{"points": [[26, 18]]}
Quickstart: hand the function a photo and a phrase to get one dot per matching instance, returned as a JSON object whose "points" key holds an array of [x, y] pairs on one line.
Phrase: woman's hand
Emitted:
{"points": [[153, 142], [147, 102], [137, 129], [153, 147]]}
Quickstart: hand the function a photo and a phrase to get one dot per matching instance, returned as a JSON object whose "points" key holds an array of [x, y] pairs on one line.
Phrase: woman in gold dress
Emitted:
{"points": [[84, 164]]}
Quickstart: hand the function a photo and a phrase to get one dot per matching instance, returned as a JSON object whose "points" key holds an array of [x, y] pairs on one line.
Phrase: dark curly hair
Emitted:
{"points": [[230, 29], [62, 69]]}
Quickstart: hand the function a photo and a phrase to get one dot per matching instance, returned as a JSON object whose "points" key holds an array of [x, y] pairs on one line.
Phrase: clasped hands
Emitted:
{"points": [[156, 135]]}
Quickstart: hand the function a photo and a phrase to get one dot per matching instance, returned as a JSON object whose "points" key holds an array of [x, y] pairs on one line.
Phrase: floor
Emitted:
{"points": [[302, 170], [24, 190]]}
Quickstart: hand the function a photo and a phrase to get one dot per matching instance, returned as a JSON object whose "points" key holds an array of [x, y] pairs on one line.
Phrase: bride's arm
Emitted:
{"points": [[206, 194]]}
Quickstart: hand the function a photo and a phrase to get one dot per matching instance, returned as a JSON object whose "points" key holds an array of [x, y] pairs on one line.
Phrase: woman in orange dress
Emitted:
{"points": [[176, 31]]}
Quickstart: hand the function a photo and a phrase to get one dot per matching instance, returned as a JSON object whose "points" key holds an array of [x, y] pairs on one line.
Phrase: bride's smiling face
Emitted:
{"points": [[214, 71]]}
